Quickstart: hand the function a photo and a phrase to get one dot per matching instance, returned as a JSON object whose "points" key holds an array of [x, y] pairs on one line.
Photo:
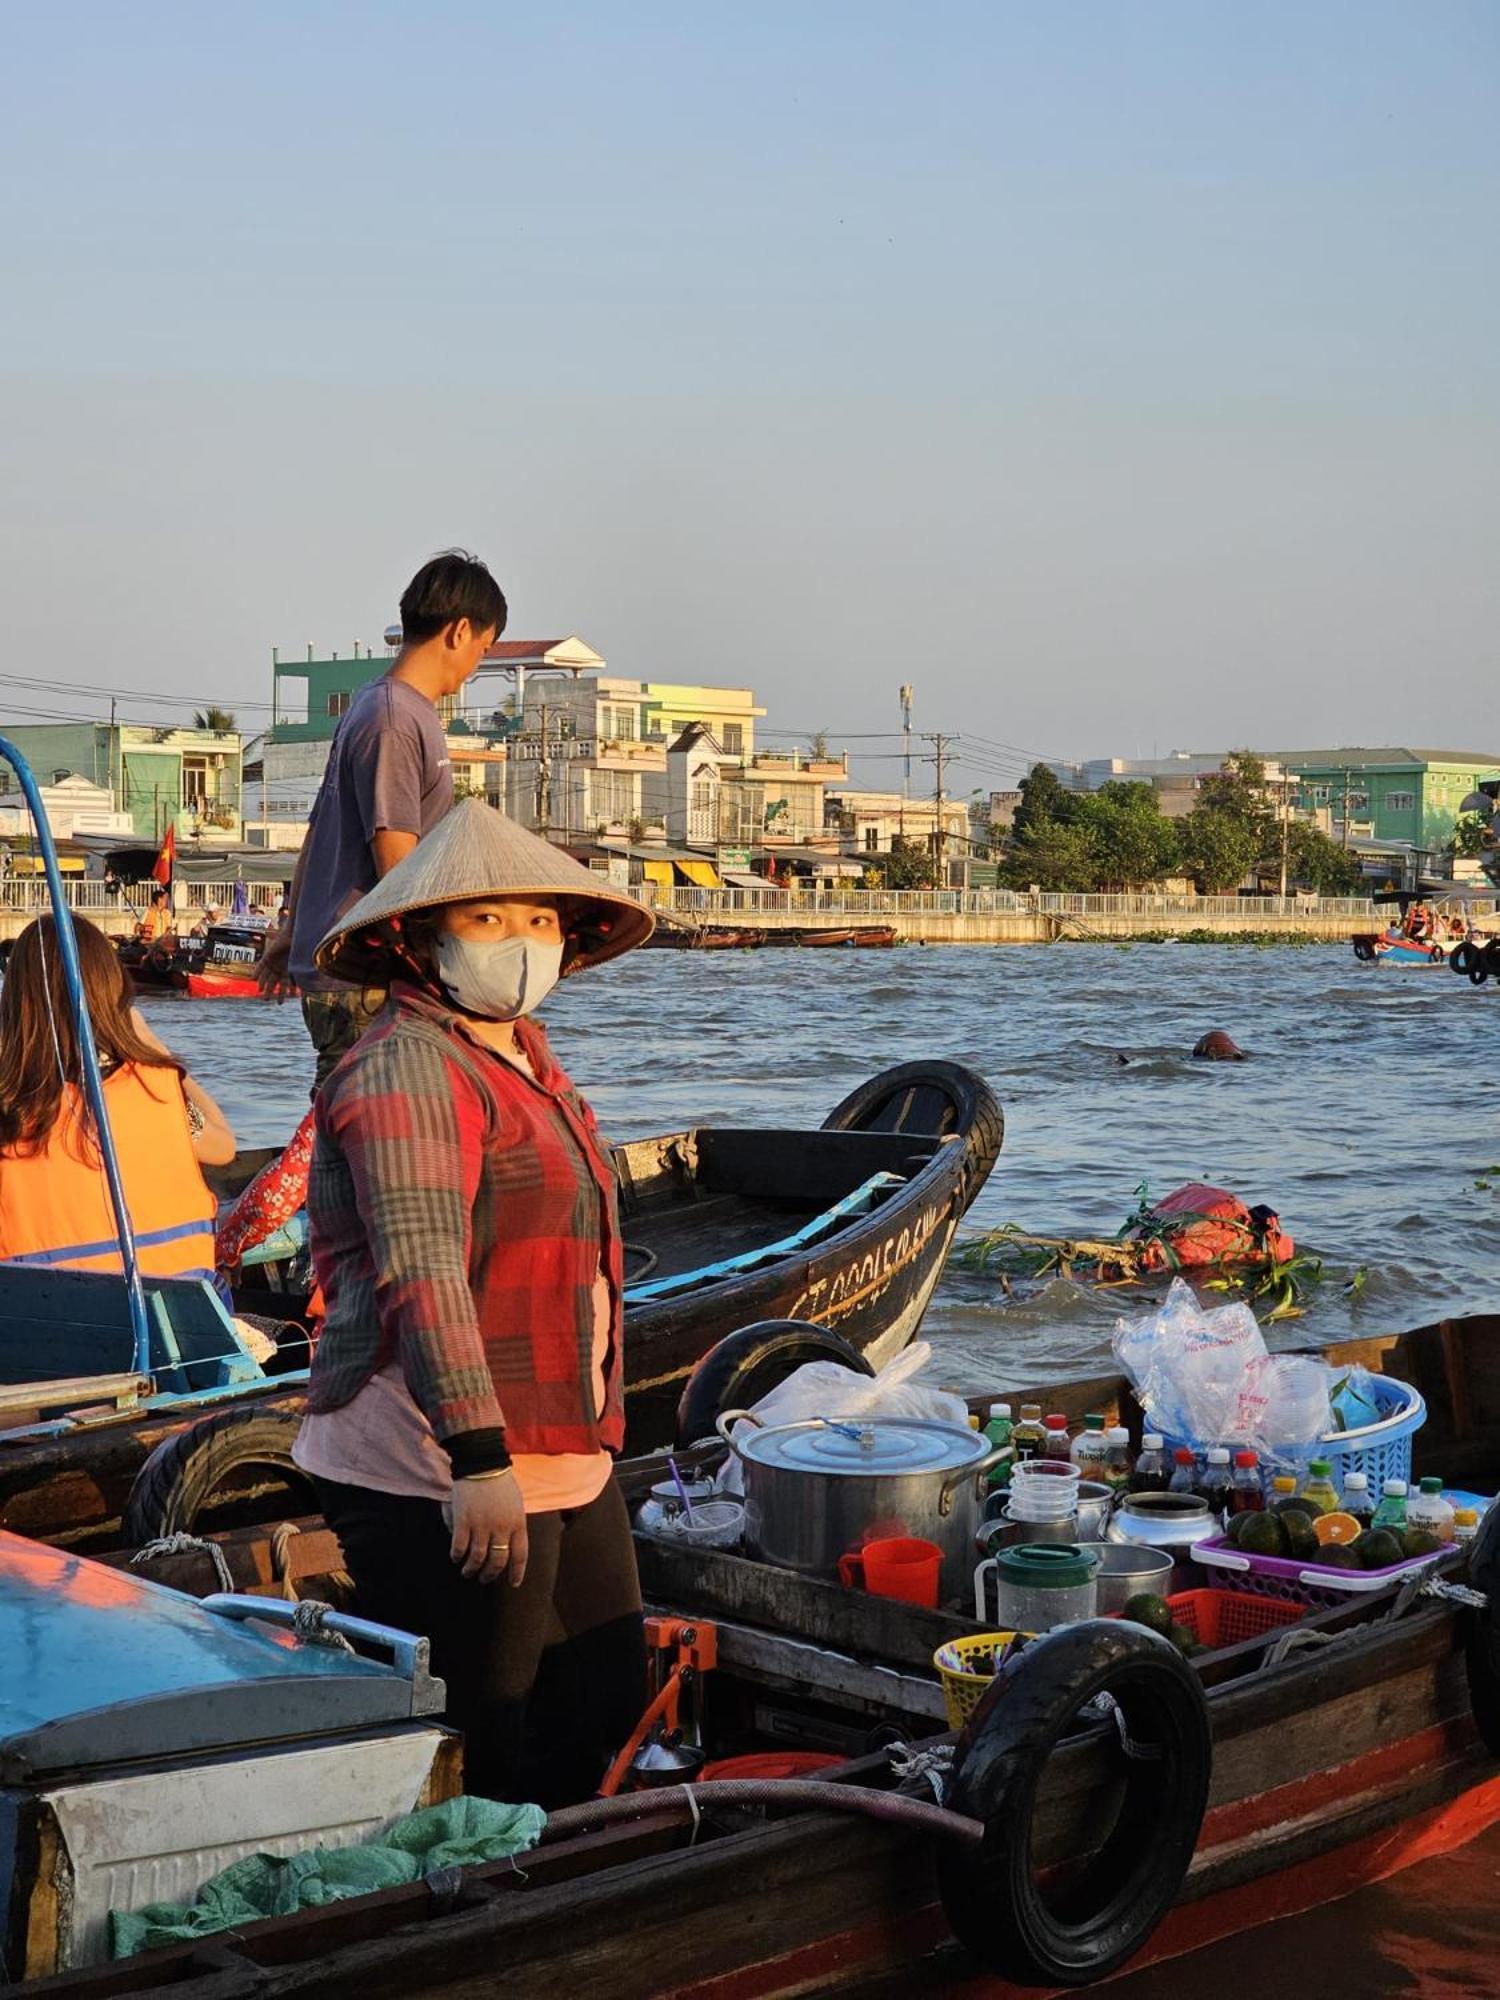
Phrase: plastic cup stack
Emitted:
{"points": [[1044, 1490]]}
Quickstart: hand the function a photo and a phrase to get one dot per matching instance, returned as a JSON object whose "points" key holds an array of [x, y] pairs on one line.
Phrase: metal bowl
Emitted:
{"points": [[1126, 1569]]}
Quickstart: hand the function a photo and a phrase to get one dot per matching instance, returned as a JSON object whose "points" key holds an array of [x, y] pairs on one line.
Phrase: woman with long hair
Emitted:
{"points": [[54, 1199], [467, 1393]]}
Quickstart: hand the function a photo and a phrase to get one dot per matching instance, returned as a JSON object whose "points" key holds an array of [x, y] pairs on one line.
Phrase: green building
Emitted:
{"points": [[308, 697], [1392, 796], [185, 778]]}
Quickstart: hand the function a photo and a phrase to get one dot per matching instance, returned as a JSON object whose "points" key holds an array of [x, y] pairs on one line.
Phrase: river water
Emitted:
{"points": [[1366, 1113]]}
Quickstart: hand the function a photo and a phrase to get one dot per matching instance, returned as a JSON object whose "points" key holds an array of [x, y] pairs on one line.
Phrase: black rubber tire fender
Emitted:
{"points": [[1461, 957], [749, 1364], [969, 1106], [1364, 951], [990, 1893], [1482, 1632], [1479, 970], [1491, 958], [188, 1468]]}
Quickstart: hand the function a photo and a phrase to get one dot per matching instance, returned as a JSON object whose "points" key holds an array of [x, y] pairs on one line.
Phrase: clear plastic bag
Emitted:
{"points": [[827, 1389], [1203, 1375]]}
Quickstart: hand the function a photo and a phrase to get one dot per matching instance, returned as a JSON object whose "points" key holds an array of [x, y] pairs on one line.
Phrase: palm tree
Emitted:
{"points": [[224, 720]]}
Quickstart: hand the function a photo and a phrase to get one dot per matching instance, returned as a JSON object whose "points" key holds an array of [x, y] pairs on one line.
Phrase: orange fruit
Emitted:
{"points": [[1335, 1528]]}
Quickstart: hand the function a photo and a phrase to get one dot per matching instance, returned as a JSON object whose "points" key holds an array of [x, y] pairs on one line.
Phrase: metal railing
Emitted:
{"points": [[1180, 909]]}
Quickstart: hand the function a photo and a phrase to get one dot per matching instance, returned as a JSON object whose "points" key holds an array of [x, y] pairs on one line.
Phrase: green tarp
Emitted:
{"points": [[448, 1836]]}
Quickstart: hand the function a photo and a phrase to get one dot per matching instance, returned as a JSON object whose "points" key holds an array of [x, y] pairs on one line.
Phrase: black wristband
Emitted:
{"points": [[476, 1451]]}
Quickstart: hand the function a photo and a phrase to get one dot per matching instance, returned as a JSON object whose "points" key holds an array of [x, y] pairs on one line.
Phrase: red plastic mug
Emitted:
{"points": [[902, 1566]]}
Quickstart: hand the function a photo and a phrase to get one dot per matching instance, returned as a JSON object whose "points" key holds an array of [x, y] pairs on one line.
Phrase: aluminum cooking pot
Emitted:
{"points": [[815, 1491], [1170, 1521]]}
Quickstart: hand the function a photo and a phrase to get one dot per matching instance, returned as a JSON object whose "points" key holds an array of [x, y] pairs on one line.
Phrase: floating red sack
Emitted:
{"points": [[1200, 1225]]}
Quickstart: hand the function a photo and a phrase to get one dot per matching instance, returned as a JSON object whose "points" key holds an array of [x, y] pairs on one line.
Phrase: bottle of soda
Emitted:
{"points": [[1465, 1524], [998, 1431], [1089, 1443], [1319, 1494], [1058, 1444], [1214, 1483], [1357, 1499], [1151, 1469], [1185, 1471], [1246, 1494], [1029, 1436], [1391, 1513], [1119, 1466]]}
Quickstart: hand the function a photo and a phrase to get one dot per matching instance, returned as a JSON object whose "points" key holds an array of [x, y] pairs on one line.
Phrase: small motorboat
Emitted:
{"points": [[226, 965]]}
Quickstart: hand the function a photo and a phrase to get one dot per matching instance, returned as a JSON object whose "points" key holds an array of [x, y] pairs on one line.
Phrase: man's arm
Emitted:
{"points": [[388, 847]]}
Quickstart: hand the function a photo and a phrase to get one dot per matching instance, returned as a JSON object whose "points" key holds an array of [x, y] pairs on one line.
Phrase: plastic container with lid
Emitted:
{"points": [[1184, 1470], [998, 1430], [1151, 1468], [1215, 1482], [1428, 1509], [1465, 1524], [1046, 1583], [1391, 1513], [1356, 1500], [1119, 1464], [1319, 1494], [1030, 1434], [1057, 1443], [1246, 1493], [1089, 1443]]}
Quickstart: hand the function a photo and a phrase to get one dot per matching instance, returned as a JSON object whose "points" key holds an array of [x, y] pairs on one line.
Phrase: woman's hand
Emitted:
{"points": [[488, 1518]]}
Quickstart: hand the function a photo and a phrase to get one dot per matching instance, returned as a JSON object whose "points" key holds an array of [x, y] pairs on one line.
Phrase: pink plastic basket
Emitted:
{"points": [[1294, 1581]]}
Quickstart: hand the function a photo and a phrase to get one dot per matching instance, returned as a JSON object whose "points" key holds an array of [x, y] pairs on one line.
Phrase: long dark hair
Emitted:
{"points": [[38, 1048]]}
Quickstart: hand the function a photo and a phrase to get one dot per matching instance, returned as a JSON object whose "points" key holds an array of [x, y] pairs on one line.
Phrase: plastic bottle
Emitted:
{"points": [[1357, 1499], [1283, 1488], [1215, 1483], [1465, 1524], [1151, 1469], [998, 1433], [1391, 1513], [1084, 1444], [1028, 1436], [1058, 1444], [1319, 1494], [1119, 1466], [1185, 1471], [1246, 1494], [1428, 1509]]}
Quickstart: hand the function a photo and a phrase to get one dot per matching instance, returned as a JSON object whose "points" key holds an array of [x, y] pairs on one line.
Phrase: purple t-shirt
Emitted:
{"points": [[388, 770]]}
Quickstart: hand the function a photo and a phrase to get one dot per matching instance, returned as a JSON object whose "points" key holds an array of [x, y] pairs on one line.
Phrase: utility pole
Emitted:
{"points": [[543, 781], [1285, 829], [906, 695], [941, 747]]}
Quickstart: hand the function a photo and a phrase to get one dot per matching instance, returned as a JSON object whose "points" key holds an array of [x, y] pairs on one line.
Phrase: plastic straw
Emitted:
{"points": [[682, 1492]]}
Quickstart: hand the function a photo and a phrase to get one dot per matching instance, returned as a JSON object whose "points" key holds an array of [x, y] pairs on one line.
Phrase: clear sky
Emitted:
{"points": [[1124, 375]]}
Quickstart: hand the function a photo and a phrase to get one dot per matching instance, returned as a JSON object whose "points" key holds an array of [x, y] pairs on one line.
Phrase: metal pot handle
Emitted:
{"points": [[727, 1417], [954, 1482]]}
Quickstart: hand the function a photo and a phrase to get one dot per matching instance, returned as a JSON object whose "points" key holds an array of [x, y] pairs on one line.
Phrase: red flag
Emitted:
{"points": [[161, 868], [771, 867]]}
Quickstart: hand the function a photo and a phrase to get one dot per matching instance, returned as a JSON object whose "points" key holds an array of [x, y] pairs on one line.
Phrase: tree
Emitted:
{"points": [[909, 865], [818, 748], [1132, 842], [1313, 861], [224, 720], [1218, 848], [1469, 830], [1043, 797], [1058, 857]]}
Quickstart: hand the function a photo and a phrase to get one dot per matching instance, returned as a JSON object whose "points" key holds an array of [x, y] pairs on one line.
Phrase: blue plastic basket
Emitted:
{"points": [[1381, 1450]]}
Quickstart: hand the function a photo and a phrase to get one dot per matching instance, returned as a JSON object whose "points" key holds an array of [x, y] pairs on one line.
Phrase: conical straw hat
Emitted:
{"points": [[476, 851]]}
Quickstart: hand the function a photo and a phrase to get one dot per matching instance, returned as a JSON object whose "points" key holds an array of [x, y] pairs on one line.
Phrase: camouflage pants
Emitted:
{"points": [[335, 1022]]}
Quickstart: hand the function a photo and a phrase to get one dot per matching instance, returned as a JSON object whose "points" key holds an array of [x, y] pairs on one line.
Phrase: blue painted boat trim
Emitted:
{"points": [[860, 1202], [93, 1081]]}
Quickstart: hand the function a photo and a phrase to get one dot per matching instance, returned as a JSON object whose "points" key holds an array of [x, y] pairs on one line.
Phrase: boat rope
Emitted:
{"points": [[281, 1553], [307, 1623], [1104, 1708], [915, 1768], [1296, 1640], [186, 1545], [1455, 1593]]}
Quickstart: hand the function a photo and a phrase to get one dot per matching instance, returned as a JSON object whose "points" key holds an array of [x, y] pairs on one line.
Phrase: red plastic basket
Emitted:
{"points": [[1224, 1617]]}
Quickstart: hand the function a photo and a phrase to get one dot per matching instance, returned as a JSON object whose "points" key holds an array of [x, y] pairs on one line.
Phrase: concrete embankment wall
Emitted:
{"points": [[1032, 927], [114, 923]]}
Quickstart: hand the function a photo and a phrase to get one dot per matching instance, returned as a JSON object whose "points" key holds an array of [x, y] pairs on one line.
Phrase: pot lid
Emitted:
{"points": [[886, 1445], [1047, 1565]]}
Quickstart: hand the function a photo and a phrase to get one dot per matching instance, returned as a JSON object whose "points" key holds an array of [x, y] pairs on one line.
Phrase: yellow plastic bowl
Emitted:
{"points": [[966, 1667]]}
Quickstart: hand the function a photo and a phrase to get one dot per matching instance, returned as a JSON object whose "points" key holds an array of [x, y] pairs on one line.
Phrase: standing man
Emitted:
{"points": [[388, 782]]}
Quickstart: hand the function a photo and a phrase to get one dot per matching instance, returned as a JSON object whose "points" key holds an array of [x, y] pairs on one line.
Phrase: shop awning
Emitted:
{"points": [[659, 872], [700, 874]]}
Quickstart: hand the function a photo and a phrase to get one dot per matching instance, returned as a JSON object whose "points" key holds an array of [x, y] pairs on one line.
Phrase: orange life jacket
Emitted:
{"points": [[54, 1203]]}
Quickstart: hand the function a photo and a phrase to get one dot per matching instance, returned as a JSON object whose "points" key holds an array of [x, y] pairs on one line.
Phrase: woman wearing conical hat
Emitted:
{"points": [[467, 1391]]}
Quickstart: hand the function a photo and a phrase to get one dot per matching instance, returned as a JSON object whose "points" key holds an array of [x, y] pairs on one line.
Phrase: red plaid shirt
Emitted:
{"points": [[460, 1212]]}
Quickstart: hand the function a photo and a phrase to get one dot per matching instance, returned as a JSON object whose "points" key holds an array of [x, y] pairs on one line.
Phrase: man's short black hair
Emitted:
{"points": [[451, 586]]}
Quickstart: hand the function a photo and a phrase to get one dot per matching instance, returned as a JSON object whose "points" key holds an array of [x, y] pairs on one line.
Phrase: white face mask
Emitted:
{"points": [[498, 978]]}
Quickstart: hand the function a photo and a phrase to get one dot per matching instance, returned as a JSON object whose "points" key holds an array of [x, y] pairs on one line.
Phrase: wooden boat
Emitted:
{"points": [[846, 1227], [1375, 1744], [226, 968], [153, 968]]}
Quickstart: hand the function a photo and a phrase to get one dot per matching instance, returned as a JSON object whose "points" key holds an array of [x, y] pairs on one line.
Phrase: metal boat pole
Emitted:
{"points": [[88, 1054]]}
